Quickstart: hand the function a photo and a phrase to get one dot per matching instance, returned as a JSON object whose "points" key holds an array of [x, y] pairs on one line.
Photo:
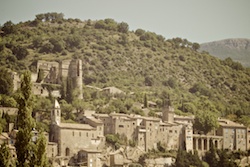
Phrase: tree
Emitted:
{"points": [[58, 44], [210, 157], [6, 82], [8, 101], [39, 158], [187, 159], [8, 28], [195, 46], [46, 48], [5, 156], [78, 105], [205, 121], [69, 90], [180, 159], [123, 27], [149, 81], [25, 122], [225, 159], [145, 101], [37, 42], [20, 52]]}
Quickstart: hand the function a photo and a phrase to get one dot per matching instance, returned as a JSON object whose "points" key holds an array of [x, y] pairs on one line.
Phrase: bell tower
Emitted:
{"points": [[56, 114]]}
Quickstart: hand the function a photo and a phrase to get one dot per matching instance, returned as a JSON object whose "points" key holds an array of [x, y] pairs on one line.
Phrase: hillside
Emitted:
{"points": [[140, 62], [237, 49]]}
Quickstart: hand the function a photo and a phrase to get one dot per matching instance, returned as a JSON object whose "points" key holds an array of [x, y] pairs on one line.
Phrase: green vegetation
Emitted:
{"points": [[5, 156], [29, 152], [141, 62]]}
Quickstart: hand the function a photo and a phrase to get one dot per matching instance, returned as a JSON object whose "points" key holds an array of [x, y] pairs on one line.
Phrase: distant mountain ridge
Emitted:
{"points": [[238, 49]]}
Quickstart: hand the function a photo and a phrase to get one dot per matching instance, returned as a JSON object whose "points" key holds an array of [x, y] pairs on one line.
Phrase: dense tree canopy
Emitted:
{"points": [[205, 121], [6, 82]]}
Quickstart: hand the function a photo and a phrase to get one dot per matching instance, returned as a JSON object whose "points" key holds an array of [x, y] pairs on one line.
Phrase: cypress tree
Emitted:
{"points": [[145, 101], [25, 122], [29, 152]]}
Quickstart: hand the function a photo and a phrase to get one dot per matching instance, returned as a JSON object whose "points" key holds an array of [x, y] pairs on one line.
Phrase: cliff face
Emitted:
{"points": [[237, 49]]}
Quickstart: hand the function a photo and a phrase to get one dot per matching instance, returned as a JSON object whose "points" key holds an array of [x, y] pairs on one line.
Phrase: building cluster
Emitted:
{"points": [[83, 143]]}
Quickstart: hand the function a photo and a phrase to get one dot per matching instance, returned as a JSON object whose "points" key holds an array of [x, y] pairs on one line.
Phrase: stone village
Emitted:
{"points": [[83, 143]]}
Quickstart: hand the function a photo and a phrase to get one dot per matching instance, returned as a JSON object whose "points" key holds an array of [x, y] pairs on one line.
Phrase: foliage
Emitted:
{"points": [[195, 46], [25, 122], [145, 101], [8, 28], [211, 157], [20, 52], [187, 159], [234, 65], [28, 154], [6, 82], [201, 89], [205, 121], [123, 27], [39, 156], [5, 156], [116, 140]]}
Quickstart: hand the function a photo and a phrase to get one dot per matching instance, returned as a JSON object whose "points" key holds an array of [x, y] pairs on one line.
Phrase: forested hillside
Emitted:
{"points": [[134, 61]]}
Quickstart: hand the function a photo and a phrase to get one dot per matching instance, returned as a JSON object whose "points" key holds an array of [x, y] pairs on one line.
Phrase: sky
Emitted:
{"points": [[195, 20]]}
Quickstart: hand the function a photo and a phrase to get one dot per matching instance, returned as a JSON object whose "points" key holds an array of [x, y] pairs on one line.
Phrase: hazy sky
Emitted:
{"points": [[196, 20]]}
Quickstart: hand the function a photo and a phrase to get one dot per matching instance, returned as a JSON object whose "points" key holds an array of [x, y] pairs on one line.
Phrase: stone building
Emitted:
{"points": [[149, 131], [234, 135], [73, 137], [57, 72]]}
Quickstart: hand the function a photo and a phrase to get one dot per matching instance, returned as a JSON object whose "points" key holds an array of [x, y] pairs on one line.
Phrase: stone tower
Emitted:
{"points": [[56, 114], [75, 73], [168, 112]]}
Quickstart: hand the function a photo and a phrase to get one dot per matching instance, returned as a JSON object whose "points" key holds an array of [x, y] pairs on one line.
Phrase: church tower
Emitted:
{"points": [[168, 112], [56, 114]]}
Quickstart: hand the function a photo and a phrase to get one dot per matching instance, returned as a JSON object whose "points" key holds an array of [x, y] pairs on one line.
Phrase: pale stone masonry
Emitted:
{"points": [[72, 137], [149, 131]]}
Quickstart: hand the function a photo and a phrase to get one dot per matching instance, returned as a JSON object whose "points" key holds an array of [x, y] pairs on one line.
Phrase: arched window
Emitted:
{"points": [[67, 151]]}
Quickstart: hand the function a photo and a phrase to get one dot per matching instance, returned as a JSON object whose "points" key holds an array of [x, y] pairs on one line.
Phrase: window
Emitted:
{"points": [[121, 126], [73, 134], [80, 134], [67, 152], [87, 134]]}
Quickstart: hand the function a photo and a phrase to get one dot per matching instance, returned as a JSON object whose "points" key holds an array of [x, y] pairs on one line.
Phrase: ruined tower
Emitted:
{"points": [[75, 74], [168, 112]]}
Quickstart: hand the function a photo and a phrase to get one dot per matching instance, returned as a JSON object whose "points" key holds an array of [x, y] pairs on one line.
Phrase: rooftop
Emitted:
{"points": [[75, 126], [228, 123]]}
